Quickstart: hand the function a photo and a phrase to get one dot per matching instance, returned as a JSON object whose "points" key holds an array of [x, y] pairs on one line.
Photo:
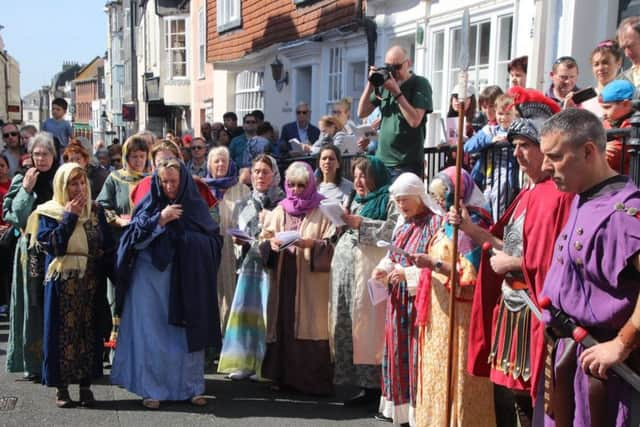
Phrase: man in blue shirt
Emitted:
{"points": [[58, 126]]}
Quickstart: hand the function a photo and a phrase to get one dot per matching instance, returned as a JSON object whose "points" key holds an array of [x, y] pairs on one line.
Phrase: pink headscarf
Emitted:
{"points": [[307, 201]]}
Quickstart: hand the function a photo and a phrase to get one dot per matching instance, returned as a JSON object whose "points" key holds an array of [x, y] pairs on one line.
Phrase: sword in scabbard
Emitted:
{"points": [[568, 327]]}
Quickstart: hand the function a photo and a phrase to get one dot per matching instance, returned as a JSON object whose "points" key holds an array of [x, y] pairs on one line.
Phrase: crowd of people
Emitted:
{"points": [[202, 253]]}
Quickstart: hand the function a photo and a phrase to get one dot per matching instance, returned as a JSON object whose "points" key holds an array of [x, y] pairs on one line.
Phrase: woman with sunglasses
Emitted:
{"points": [[298, 355]]}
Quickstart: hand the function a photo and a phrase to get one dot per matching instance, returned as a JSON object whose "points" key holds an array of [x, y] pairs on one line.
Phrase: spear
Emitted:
{"points": [[463, 78]]}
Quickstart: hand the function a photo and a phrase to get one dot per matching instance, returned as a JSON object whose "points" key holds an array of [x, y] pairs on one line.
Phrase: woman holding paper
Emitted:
{"points": [[422, 219], [355, 324], [298, 355], [244, 341], [332, 185], [223, 183], [473, 395]]}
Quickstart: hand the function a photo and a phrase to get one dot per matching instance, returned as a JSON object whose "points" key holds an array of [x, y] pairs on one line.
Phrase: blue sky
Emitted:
{"points": [[41, 34]]}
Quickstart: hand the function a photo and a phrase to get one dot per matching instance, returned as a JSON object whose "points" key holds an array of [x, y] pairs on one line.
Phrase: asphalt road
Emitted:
{"points": [[231, 403]]}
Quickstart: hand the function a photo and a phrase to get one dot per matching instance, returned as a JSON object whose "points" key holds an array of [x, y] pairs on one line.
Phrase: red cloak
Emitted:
{"points": [[547, 210]]}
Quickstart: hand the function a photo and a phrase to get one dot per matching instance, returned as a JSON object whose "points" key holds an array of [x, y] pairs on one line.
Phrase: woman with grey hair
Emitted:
{"points": [[26, 192], [298, 355]]}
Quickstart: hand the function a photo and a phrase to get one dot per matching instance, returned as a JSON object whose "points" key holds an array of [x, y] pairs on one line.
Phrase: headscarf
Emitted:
{"points": [[191, 245], [218, 186], [274, 192], [409, 184], [375, 202], [74, 263], [126, 174], [308, 200]]}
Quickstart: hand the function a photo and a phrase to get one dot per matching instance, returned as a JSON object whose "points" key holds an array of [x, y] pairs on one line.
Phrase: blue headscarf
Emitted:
{"points": [[191, 245], [218, 186]]}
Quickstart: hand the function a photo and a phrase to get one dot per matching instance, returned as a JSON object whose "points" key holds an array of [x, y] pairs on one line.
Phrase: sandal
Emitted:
{"points": [[198, 400], [63, 399], [86, 397], [151, 403]]}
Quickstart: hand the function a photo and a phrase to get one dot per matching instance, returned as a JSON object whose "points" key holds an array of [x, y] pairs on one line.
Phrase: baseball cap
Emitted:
{"points": [[617, 90]]}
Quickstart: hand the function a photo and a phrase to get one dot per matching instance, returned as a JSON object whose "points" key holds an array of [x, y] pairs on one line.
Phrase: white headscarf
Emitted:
{"points": [[409, 184]]}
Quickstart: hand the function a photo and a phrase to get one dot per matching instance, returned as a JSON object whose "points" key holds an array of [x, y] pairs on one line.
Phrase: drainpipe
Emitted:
{"points": [[370, 31]]}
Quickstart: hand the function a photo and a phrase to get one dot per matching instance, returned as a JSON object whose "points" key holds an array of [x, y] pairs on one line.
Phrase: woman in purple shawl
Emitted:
{"points": [[298, 355]]}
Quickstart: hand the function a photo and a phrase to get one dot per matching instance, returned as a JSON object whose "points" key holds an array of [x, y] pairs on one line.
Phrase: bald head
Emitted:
{"points": [[395, 55], [398, 57]]}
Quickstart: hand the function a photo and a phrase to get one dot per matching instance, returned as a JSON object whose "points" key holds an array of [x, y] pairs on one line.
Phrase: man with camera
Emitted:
{"points": [[404, 100]]}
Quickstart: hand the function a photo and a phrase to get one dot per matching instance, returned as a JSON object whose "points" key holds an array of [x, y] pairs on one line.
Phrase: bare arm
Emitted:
{"points": [[365, 107], [478, 234]]}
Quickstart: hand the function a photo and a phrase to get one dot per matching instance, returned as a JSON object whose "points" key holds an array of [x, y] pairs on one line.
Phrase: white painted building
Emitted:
{"points": [[31, 109], [500, 30]]}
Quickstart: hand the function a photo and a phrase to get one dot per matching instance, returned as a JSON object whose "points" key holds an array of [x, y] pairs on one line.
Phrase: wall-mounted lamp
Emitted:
{"points": [[276, 72]]}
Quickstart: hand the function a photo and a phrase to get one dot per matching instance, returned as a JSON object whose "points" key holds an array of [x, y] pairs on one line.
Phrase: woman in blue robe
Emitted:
{"points": [[167, 263]]}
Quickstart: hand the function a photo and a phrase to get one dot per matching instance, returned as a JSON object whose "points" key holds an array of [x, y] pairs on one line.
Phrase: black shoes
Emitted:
{"points": [[86, 397], [366, 396], [63, 399]]}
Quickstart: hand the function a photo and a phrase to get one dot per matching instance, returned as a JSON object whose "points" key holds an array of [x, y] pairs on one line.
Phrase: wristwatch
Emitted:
{"points": [[438, 265]]}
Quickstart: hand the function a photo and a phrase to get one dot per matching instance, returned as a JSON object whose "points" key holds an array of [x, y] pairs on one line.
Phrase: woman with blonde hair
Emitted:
{"points": [[342, 111], [74, 234]]}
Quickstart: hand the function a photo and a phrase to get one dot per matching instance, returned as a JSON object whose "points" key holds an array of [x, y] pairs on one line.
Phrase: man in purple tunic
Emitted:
{"points": [[594, 276]]}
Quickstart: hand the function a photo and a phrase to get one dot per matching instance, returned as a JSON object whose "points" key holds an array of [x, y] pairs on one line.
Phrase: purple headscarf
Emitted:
{"points": [[307, 201]]}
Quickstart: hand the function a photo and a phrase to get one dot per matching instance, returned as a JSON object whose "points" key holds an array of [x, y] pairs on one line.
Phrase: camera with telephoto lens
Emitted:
{"points": [[381, 75]]}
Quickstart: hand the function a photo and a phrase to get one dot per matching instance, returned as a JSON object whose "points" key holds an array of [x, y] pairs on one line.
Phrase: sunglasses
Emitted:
{"points": [[396, 67], [302, 112], [198, 147], [8, 134], [565, 59]]}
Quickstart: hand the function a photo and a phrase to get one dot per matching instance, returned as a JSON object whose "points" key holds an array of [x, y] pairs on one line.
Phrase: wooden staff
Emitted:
{"points": [[463, 80]]}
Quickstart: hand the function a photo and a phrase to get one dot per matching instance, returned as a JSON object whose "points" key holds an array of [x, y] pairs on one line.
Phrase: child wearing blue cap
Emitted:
{"points": [[615, 100]]}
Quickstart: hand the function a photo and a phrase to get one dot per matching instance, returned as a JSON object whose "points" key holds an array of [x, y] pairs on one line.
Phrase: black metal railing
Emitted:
{"points": [[500, 179]]}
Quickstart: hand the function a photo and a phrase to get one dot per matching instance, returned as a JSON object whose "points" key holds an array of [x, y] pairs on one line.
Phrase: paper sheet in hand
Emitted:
{"points": [[377, 291], [296, 146], [332, 210], [240, 235], [392, 248], [287, 238], [366, 131]]}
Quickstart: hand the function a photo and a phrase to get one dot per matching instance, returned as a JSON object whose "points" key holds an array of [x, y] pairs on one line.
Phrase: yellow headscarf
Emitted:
{"points": [[75, 261]]}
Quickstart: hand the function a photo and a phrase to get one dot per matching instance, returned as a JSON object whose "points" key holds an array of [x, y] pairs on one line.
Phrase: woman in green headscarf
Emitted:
{"points": [[115, 198], [356, 325]]}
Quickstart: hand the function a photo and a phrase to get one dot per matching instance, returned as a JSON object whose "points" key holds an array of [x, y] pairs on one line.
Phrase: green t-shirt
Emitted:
{"points": [[398, 143]]}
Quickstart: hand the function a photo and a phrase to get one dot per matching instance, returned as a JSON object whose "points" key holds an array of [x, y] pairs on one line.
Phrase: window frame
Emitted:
{"points": [[335, 76], [202, 42], [225, 22], [249, 92], [169, 63], [449, 58]]}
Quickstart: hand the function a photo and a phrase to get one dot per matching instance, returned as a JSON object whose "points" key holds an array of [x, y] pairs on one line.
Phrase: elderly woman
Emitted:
{"points": [[356, 325], [400, 275], [298, 355], [74, 234], [224, 186], [26, 192], [244, 341], [332, 185], [167, 263], [473, 395], [76, 153]]}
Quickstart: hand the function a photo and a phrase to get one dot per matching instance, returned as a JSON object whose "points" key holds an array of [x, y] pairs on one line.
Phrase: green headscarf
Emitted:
{"points": [[375, 202]]}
